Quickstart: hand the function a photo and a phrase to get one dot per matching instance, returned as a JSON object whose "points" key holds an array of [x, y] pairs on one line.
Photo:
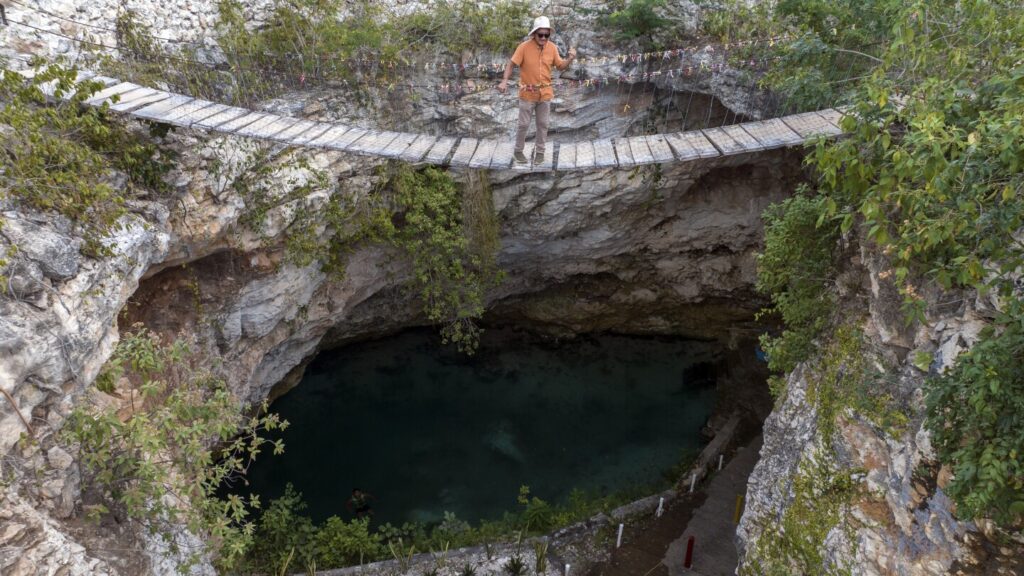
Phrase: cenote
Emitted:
{"points": [[426, 430]]}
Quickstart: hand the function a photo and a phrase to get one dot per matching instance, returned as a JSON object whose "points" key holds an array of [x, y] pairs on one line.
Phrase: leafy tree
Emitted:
{"points": [[183, 436], [931, 170]]}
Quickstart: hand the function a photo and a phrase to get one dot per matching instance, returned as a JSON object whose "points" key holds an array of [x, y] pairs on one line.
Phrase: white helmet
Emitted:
{"points": [[540, 22]]}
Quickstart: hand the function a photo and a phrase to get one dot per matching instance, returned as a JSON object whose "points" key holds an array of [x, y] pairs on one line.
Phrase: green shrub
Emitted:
{"points": [[339, 543], [58, 156], [282, 535], [635, 19], [976, 417], [467, 25], [423, 212], [795, 270], [163, 463]]}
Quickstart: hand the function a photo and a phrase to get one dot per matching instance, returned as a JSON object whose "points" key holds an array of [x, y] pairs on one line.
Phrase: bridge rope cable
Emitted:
{"points": [[568, 94], [653, 106]]}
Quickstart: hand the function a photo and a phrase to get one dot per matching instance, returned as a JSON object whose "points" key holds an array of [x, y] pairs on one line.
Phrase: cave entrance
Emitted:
{"points": [[427, 430]]}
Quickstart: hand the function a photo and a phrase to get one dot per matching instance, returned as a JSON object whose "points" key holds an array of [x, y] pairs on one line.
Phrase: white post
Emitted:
{"points": [[566, 570], [661, 507], [693, 481], [618, 541], [721, 457]]}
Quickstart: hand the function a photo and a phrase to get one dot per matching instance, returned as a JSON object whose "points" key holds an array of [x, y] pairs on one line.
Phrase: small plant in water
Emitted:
{"points": [[468, 570], [515, 566]]}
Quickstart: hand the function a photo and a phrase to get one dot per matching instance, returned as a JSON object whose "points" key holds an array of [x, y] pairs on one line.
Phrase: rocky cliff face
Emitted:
{"points": [[656, 250], [666, 250], [860, 482]]}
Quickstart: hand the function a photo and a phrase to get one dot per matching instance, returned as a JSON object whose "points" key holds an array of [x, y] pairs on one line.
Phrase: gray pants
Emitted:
{"points": [[526, 109]]}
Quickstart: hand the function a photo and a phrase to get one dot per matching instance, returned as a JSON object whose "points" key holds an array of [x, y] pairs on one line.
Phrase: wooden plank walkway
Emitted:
{"points": [[181, 110]]}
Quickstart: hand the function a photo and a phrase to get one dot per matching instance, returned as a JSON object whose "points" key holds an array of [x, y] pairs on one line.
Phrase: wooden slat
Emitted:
{"points": [[641, 151], [194, 111], [135, 104], [296, 129], [585, 155], [372, 143], [691, 145], [724, 141], [345, 140], [604, 154], [439, 152], [267, 130], [384, 141], [318, 130], [98, 98], [772, 133], [240, 122], [228, 114], [362, 141], [335, 132], [482, 156], [502, 157], [255, 129], [160, 109], [399, 145], [623, 152], [566, 157], [139, 92], [418, 149], [833, 116], [746, 140], [464, 152], [808, 124], [660, 149]]}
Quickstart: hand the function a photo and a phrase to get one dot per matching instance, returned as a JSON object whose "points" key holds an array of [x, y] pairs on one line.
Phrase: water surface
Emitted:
{"points": [[428, 430]]}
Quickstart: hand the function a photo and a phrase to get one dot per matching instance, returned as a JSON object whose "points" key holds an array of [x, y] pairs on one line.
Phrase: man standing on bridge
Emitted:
{"points": [[535, 57]]}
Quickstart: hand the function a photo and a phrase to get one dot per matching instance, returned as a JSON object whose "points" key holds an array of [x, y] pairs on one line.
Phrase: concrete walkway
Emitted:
{"points": [[712, 526]]}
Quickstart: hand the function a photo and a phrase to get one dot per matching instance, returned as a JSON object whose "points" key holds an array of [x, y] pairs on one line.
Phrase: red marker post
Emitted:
{"points": [[688, 562]]}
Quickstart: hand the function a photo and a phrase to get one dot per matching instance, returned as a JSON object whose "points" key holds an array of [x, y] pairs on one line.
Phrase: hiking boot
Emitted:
{"points": [[520, 157], [538, 157]]}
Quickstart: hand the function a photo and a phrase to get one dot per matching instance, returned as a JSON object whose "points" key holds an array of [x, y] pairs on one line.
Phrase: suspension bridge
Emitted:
{"points": [[457, 152]]}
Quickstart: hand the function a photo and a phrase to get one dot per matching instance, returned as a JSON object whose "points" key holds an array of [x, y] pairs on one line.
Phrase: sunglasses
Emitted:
{"points": [[543, 35]]}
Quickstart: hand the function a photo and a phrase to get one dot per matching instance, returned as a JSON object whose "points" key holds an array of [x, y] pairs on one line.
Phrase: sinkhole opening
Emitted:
{"points": [[426, 430]]}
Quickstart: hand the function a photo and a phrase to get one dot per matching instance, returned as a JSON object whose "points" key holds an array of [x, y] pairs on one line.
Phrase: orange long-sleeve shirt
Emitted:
{"points": [[535, 70]]}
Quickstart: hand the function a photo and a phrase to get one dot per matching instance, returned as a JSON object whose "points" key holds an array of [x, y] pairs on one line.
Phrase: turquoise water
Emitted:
{"points": [[427, 430]]}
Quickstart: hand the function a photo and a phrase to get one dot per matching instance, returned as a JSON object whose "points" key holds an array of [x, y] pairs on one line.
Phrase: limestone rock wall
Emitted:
{"points": [[899, 519], [638, 248]]}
